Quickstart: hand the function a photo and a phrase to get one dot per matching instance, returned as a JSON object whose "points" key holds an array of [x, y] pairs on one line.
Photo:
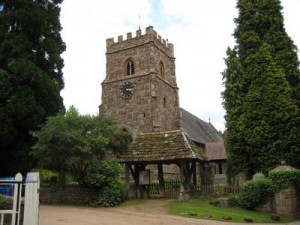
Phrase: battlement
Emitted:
{"points": [[150, 32]]}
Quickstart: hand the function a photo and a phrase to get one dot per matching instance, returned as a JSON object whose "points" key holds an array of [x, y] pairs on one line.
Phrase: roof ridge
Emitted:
{"points": [[189, 146], [161, 132]]}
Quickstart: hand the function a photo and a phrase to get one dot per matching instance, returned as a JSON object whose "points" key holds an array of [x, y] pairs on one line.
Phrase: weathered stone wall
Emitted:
{"points": [[154, 105], [286, 202], [67, 195], [146, 51]]}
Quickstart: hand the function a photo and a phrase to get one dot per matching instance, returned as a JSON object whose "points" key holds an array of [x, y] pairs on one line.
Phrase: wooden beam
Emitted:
{"points": [[194, 173], [127, 177], [161, 179], [131, 170], [185, 180]]}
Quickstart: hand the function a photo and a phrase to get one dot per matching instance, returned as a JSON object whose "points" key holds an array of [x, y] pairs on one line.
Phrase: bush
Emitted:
{"points": [[233, 200], [2, 200], [104, 177], [255, 193], [111, 195], [284, 179], [47, 176]]}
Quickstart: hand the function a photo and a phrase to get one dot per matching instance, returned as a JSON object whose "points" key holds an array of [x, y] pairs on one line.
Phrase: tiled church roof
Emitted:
{"points": [[198, 130], [162, 146], [204, 133], [215, 150]]}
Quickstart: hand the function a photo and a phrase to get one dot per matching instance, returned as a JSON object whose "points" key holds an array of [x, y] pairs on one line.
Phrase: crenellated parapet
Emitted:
{"points": [[139, 39]]}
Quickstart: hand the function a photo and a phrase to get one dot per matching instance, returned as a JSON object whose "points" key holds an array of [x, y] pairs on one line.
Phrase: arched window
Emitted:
{"points": [[161, 70], [165, 102], [130, 67]]}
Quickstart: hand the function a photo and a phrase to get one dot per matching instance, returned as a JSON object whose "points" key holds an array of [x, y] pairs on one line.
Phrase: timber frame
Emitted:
{"points": [[159, 148]]}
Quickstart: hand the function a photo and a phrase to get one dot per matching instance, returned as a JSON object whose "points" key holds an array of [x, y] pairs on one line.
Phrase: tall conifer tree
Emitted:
{"points": [[30, 75], [264, 127]]}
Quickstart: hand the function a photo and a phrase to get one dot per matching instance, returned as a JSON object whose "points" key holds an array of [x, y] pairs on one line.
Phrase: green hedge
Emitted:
{"points": [[284, 179], [260, 191], [255, 193]]}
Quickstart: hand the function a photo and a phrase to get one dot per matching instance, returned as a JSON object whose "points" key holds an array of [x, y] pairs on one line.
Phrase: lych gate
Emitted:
{"points": [[162, 148]]}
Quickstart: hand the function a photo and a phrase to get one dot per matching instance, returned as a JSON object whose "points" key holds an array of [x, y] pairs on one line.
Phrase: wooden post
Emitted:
{"points": [[31, 209], [182, 182], [200, 172], [127, 178], [194, 173], [161, 180], [141, 188], [137, 180], [185, 177], [133, 191]]}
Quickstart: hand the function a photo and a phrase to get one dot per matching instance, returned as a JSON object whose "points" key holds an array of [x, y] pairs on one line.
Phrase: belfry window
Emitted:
{"points": [[165, 102], [161, 70], [130, 67]]}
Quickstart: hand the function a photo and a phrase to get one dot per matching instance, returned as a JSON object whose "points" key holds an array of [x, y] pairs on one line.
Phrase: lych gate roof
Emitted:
{"points": [[162, 146], [171, 146], [198, 130]]}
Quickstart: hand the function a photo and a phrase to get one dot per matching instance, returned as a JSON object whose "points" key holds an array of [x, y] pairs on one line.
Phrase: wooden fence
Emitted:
{"points": [[219, 190], [172, 188]]}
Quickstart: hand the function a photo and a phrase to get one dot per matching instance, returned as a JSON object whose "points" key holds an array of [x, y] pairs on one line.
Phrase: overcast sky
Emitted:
{"points": [[200, 30]]}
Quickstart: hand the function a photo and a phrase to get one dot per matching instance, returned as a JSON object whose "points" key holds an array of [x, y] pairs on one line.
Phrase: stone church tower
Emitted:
{"points": [[140, 88]]}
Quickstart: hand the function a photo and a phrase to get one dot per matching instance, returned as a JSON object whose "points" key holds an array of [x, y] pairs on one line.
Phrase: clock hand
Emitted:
{"points": [[130, 89]]}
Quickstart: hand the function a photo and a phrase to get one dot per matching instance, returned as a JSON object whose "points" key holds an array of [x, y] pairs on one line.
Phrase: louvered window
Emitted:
{"points": [[130, 67]]}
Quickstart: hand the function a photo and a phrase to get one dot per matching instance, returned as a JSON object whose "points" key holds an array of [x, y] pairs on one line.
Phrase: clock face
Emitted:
{"points": [[127, 89]]}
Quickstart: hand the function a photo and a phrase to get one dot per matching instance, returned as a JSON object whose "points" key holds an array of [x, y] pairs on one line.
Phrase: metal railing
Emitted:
{"points": [[31, 202], [15, 211]]}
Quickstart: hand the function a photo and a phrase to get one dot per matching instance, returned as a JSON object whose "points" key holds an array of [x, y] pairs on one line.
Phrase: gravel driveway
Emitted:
{"points": [[150, 212]]}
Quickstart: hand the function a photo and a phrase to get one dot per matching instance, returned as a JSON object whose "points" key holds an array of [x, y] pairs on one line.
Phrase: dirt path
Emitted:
{"points": [[151, 212]]}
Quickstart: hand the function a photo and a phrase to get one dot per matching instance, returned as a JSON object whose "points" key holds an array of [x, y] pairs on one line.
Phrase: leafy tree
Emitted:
{"points": [[233, 105], [261, 91], [270, 117], [72, 142], [30, 76], [262, 21]]}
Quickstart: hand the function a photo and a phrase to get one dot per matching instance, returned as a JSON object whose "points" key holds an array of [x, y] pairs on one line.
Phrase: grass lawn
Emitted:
{"points": [[204, 211]]}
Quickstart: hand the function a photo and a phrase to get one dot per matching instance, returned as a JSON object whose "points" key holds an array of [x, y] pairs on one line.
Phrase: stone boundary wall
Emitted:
{"points": [[68, 195], [286, 202]]}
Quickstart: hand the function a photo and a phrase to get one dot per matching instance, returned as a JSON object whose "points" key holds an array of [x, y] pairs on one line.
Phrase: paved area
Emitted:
{"points": [[152, 212]]}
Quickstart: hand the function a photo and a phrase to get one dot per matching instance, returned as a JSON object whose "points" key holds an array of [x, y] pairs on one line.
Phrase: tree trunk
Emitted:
{"points": [[61, 178]]}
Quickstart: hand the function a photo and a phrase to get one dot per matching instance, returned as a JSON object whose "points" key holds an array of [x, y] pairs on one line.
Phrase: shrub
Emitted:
{"points": [[47, 176], [111, 195], [102, 174], [104, 177], [255, 193], [2, 200], [284, 179], [233, 200]]}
